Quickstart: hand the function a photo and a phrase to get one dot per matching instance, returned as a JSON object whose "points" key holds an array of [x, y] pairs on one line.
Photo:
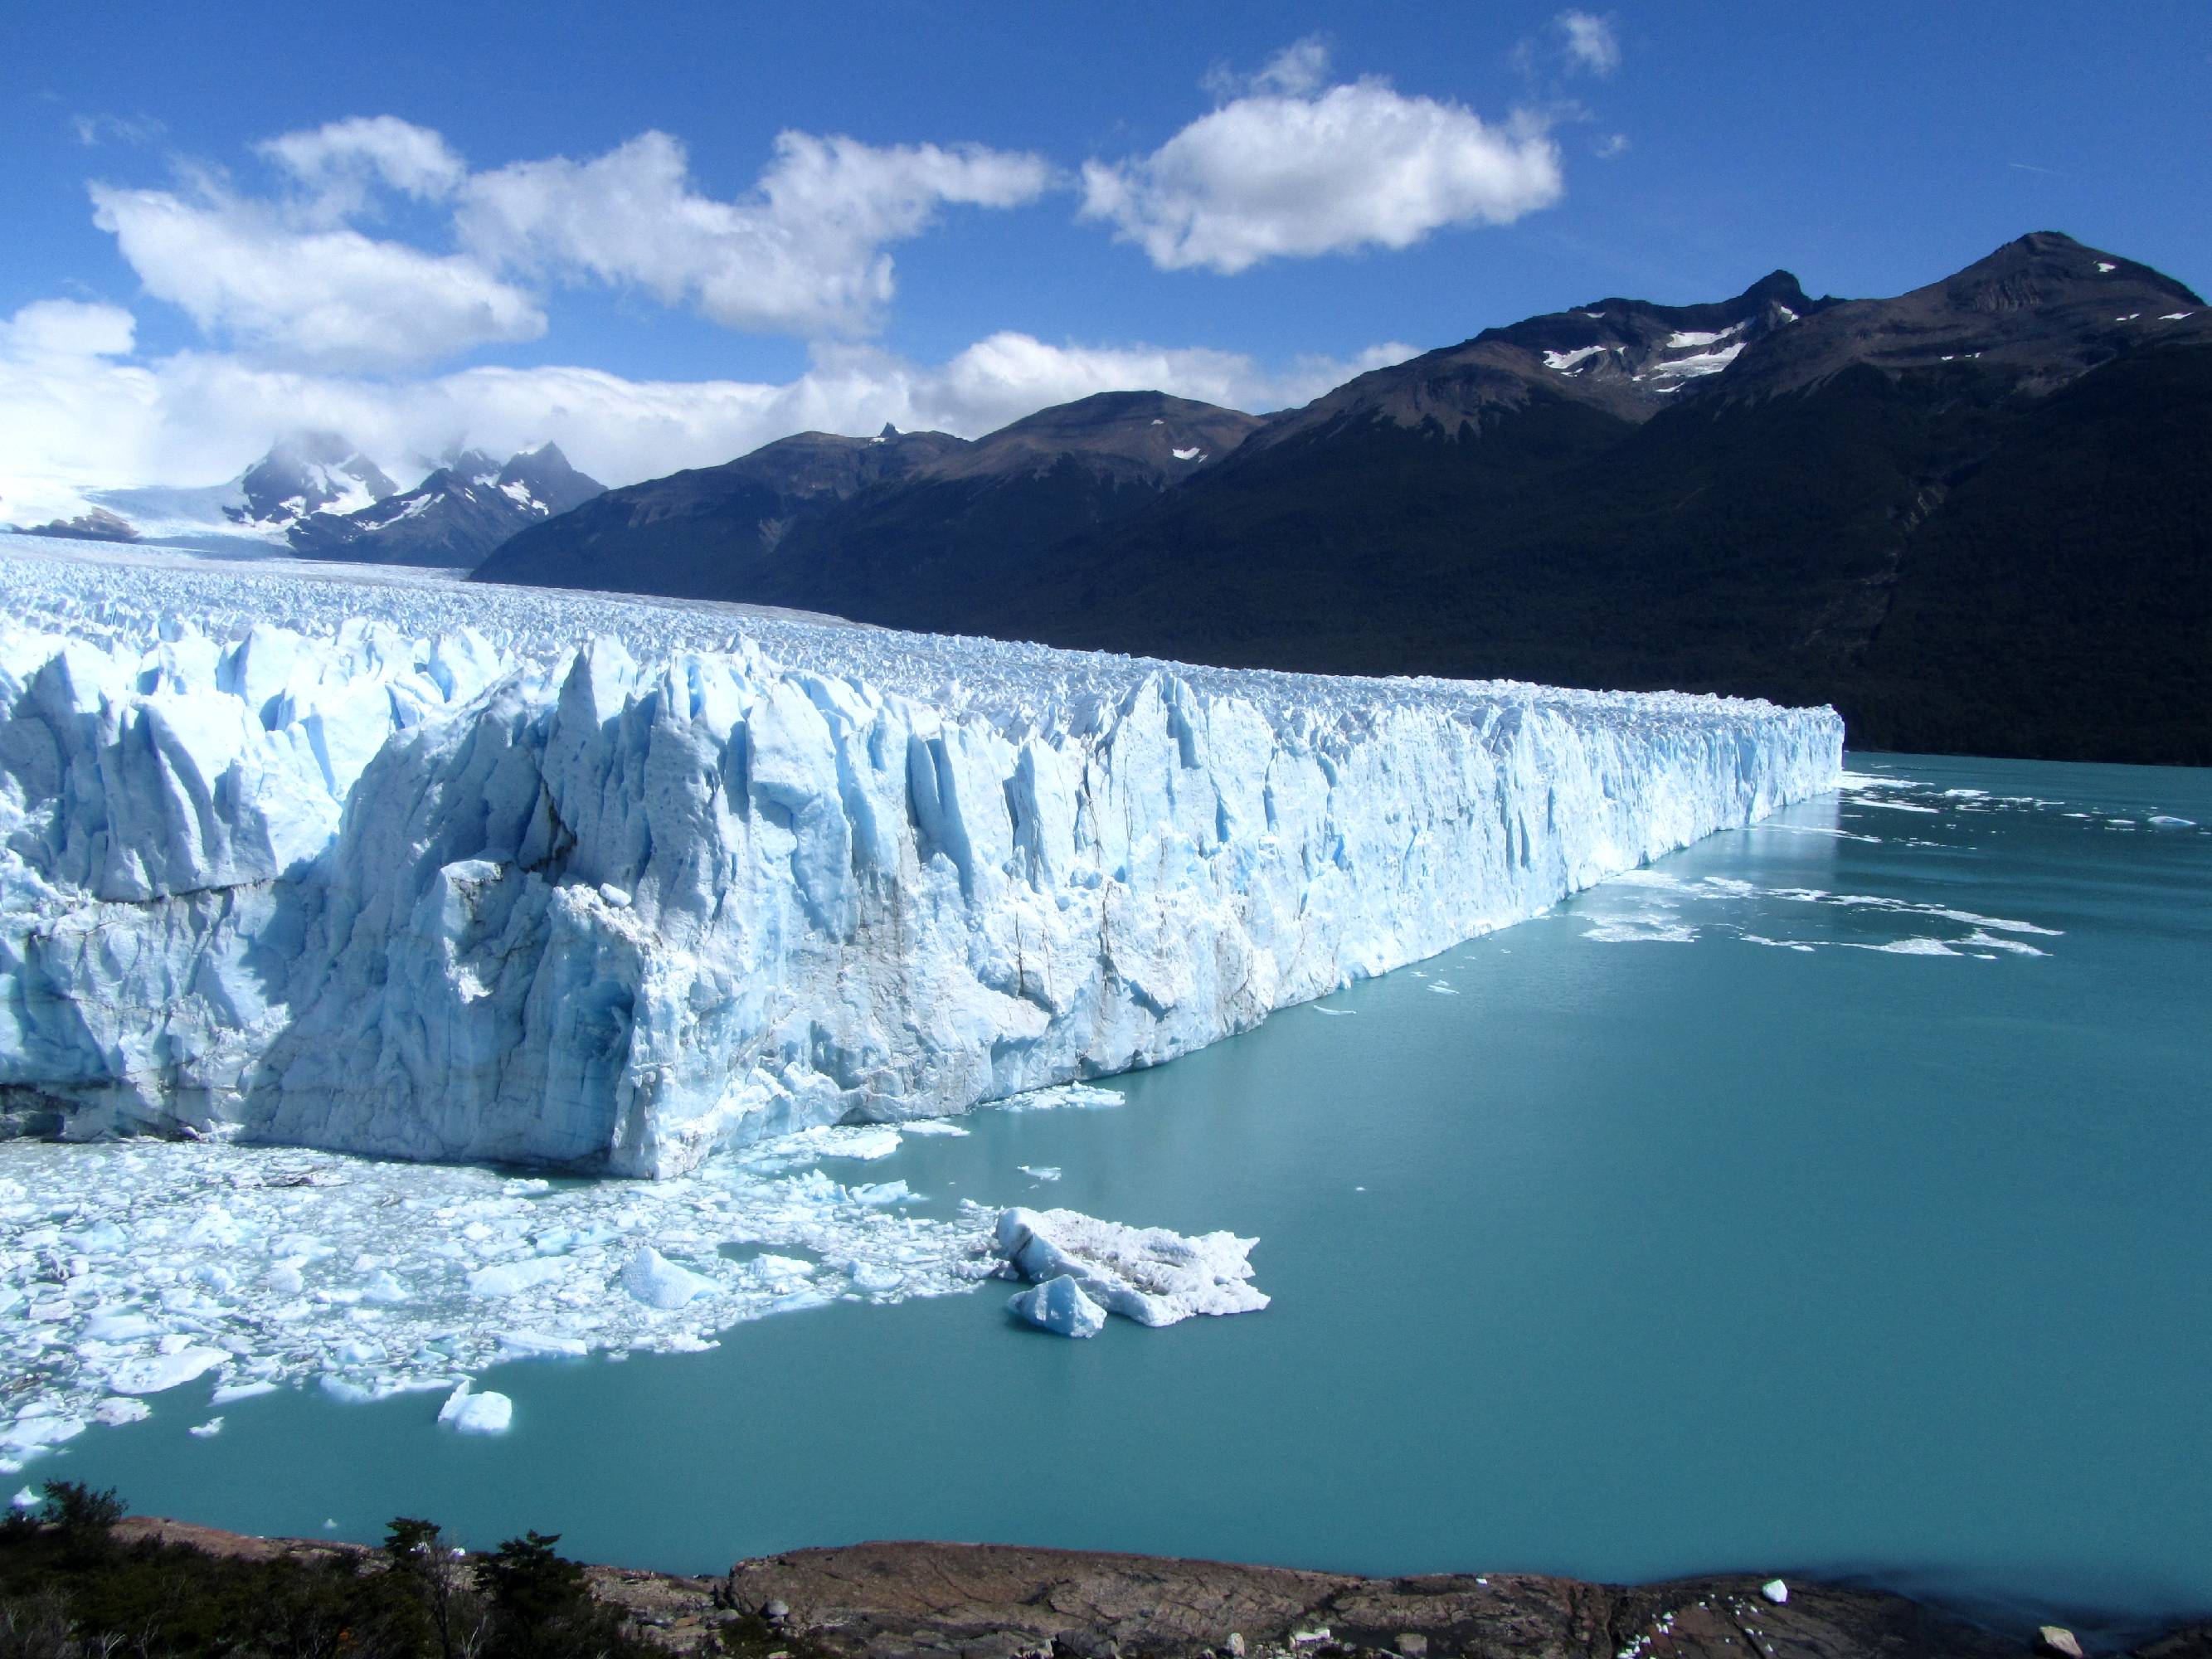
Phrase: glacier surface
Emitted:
{"points": [[452, 874]]}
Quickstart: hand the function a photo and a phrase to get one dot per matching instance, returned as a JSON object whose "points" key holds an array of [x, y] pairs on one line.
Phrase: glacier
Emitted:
{"points": [[457, 873]]}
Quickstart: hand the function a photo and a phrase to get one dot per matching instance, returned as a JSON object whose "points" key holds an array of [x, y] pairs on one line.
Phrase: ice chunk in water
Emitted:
{"points": [[1145, 1274], [1060, 1306], [155, 1372], [505, 1278], [467, 1412], [655, 1280]]}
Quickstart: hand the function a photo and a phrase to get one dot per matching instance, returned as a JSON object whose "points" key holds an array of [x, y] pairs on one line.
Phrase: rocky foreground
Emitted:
{"points": [[998, 1602]]}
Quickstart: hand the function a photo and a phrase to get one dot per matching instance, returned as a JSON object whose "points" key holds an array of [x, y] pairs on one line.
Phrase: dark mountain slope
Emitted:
{"points": [[1627, 358], [2061, 596], [934, 548], [925, 523], [1754, 536], [2032, 316], [702, 533], [1976, 516]]}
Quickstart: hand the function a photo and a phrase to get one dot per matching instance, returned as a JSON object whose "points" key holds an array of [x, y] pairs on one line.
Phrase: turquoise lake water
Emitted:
{"points": [[1714, 1221]]}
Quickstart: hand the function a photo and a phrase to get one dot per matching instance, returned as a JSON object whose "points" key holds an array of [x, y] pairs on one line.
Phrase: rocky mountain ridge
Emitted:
{"points": [[1977, 516]]}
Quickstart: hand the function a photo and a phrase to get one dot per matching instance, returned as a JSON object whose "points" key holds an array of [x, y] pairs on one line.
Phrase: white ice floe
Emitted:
{"points": [[207, 1429], [467, 1412], [1775, 1591], [1145, 1274], [1648, 905], [1037, 1172], [460, 873], [155, 1372], [655, 1280], [1641, 930], [245, 1269], [1059, 1305], [1081, 1095]]}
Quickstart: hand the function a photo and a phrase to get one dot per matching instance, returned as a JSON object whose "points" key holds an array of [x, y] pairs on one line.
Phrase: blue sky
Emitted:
{"points": [[667, 233]]}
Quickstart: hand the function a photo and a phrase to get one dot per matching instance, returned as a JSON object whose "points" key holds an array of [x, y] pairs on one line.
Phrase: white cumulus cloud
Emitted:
{"points": [[324, 296], [1298, 69], [1293, 170], [339, 160], [291, 276], [802, 253], [1590, 42], [68, 329]]}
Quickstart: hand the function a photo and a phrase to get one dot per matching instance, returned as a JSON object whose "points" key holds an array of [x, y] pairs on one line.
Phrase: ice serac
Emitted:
{"points": [[412, 872]]}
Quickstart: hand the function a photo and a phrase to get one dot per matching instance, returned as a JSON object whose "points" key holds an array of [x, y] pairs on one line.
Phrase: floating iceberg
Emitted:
{"points": [[481, 873], [467, 1412], [1145, 1274], [1060, 1306]]}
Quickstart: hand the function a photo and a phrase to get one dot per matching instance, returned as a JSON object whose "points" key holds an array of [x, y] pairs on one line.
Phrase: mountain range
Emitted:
{"points": [[315, 495], [1976, 516]]}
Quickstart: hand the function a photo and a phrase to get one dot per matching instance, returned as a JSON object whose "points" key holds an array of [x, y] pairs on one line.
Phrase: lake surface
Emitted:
{"points": [[1829, 1200]]}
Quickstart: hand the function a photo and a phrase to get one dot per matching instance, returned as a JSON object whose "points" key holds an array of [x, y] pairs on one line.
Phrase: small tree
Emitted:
{"points": [[424, 1562], [538, 1596], [75, 1507], [82, 1517]]}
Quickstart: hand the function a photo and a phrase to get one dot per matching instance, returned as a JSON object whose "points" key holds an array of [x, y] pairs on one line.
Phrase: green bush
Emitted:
{"points": [[68, 1590]]}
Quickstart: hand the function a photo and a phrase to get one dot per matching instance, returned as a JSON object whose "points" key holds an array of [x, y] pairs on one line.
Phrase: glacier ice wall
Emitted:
{"points": [[401, 868]]}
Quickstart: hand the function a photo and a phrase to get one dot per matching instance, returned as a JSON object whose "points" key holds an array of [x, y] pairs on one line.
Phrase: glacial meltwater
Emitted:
{"points": [[1827, 1200]]}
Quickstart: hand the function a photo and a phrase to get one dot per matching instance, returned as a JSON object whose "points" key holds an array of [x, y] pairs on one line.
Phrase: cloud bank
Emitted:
{"points": [[1290, 168], [74, 415]]}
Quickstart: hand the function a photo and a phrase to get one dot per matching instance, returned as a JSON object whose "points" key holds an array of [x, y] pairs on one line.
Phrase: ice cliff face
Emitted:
{"points": [[405, 869]]}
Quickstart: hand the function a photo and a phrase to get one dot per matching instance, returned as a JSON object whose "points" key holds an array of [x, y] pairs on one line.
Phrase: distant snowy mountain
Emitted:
{"points": [[316, 495], [455, 517], [306, 474]]}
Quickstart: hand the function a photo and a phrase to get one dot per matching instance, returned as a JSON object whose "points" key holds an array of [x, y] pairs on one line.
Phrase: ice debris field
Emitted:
{"points": [[129, 1268], [430, 872]]}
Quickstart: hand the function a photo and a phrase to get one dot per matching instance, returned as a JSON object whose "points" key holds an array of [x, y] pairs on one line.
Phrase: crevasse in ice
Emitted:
{"points": [[488, 873]]}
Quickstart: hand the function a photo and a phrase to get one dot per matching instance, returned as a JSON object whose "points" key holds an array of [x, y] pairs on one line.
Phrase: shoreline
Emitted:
{"points": [[879, 1600]]}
